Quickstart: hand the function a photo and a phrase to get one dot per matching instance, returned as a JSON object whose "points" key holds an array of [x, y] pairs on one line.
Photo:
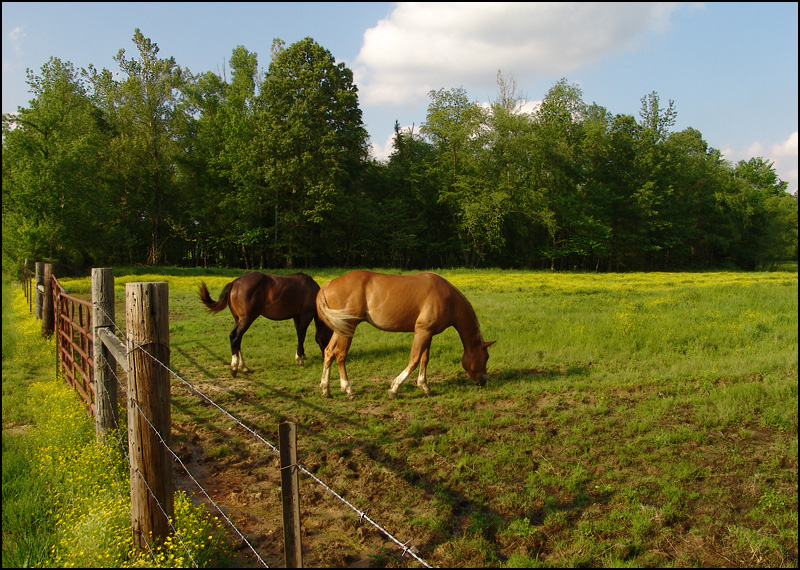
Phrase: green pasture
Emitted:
{"points": [[644, 419]]}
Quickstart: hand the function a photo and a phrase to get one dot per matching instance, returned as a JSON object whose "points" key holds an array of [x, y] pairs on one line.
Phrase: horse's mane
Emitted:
{"points": [[469, 306]]}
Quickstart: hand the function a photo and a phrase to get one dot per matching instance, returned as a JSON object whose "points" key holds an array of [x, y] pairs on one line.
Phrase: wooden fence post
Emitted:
{"points": [[149, 414], [48, 318], [292, 551], [38, 277], [26, 274], [105, 369]]}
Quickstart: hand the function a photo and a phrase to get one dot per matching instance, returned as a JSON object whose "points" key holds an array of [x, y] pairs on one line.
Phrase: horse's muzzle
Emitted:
{"points": [[481, 380]]}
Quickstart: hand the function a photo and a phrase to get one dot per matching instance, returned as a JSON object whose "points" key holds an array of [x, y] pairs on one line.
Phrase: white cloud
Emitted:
{"points": [[783, 155], [384, 151], [424, 45], [16, 36]]}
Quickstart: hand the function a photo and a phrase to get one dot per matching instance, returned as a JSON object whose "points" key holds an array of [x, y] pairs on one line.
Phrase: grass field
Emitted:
{"points": [[629, 420]]}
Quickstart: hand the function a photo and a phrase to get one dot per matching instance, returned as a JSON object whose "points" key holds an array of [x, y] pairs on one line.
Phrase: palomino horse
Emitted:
{"points": [[277, 297], [425, 304]]}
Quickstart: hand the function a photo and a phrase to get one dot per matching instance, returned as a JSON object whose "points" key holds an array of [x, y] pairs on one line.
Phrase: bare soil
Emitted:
{"points": [[245, 482]]}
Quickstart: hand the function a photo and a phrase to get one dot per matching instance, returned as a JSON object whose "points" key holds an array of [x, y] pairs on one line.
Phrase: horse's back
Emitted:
{"points": [[399, 303], [277, 297]]}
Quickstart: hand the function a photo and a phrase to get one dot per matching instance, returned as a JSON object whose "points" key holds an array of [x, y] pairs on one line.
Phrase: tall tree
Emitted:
{"points": [[654, 195], [513, 202], [55, 199], [559, 167], [231, 216], [144, 108], [768, 222], [453, 126], [314, 144]]}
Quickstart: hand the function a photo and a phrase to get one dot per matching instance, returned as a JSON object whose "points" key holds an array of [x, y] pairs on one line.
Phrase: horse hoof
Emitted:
{"points": [[233, 373], [392, 395], [326, 394]]}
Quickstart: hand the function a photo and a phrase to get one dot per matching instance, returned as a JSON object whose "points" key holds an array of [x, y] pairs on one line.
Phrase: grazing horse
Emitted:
{"points": [[424, 303], [277, 297]]}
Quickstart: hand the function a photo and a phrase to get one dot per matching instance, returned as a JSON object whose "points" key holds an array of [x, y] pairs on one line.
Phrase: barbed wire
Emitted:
{"points": [[362, 514], [195, 481]]}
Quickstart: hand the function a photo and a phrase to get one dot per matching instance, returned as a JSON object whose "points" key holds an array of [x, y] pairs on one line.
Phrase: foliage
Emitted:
{"points": [[271, 169], [314, 146], [52, 169], [144, 111]]}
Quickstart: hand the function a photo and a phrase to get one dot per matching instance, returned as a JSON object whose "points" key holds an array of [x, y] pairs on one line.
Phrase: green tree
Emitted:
{"points": [[768, 222], [228, 219], [559, 166], [655, 193], [144, 109], [314, 144], [453, 125], [410, 218], [55, 198], [697, 176]]}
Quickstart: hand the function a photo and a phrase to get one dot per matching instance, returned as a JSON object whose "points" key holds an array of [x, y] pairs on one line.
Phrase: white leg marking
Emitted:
{"points": [[326, 378], [344, 384], [396, 383], [242, 366], [422, 383]]}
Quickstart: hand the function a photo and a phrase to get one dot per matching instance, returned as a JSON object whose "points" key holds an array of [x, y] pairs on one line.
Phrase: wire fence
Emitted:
{"points": [[259, 439]]}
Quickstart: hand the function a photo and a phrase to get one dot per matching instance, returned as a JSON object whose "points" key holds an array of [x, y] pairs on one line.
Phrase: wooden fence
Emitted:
{"points": [[87, 351]]}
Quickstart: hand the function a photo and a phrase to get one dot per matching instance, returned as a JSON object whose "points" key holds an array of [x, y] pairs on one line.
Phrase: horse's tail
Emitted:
{"points": [[211, 304], [339, 320]]}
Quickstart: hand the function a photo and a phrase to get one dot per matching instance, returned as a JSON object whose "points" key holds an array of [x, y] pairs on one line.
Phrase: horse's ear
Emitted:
{"points": [[488, 344]]}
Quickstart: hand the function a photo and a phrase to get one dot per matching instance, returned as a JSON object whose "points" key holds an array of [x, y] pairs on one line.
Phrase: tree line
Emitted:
{"points": [[156, 165]]}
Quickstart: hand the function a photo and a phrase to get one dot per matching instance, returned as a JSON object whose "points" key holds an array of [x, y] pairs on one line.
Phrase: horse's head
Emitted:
{"points": [[474, 362]]}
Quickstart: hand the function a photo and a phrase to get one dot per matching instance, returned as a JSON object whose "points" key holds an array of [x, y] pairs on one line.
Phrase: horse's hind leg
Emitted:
{"points": [[327, 360], [342, 347], [301, 326], [337, 348]]}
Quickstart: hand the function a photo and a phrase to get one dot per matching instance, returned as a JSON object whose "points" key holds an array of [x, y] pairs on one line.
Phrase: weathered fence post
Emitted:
{"points": [[26, 276], [48, 318], [105, 369], [293, 554], [149, 414], [38, 270]]}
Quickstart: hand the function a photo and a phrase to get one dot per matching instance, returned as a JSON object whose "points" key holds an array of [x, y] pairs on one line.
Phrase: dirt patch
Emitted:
{"points": [[249, 493]]}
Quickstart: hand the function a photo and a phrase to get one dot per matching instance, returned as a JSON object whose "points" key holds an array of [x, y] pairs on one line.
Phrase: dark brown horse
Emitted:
{"points": [[425, 304], [277, 297]]}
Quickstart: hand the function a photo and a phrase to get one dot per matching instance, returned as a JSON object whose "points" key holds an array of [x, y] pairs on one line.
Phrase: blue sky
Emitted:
{"points": [[729, 67]]}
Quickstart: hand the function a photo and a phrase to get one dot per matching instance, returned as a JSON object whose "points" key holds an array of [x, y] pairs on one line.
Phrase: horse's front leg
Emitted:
{"points": [[237, 360], [420, 349], [237, 364]]}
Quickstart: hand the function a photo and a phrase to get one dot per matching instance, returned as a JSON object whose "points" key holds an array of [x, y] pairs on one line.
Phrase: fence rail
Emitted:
{"points": [[74, 342]]}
